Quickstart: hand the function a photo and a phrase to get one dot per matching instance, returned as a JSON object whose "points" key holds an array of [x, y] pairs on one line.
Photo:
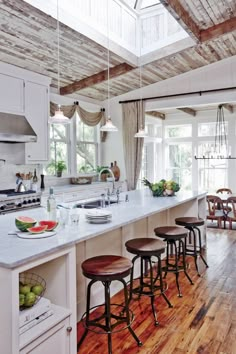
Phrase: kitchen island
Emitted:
{"points": [[58, 260]]}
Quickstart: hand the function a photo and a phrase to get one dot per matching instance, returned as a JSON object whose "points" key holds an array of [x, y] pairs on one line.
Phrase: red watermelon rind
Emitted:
{"points": [[37, 229], [51, 224], [24, 222]]}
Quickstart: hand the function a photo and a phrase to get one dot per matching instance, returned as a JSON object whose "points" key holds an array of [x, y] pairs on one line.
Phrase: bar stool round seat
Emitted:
{"points": [[175, 261], [145, 249], [105, 269], [194, 246]]}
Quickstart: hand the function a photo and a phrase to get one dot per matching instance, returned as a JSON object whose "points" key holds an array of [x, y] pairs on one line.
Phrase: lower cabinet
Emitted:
{"points": [[56, 340]]}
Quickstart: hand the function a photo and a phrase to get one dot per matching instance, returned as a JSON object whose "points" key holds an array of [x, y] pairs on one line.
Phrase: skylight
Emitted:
{"points": [[148, 3], [137, 26]]}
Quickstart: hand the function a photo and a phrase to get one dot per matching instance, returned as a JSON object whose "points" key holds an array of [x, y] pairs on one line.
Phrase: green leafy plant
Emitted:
{"points": [[60, 166]]}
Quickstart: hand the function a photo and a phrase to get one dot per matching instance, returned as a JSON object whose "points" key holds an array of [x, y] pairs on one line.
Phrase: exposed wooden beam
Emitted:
{"points": [[96, 78], [229, 107], [156, 114], [181, 15], [187, 110], [218, 30]]}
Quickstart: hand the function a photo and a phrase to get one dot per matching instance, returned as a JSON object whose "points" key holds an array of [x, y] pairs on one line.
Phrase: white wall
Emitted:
{"points": [[218, 75]]}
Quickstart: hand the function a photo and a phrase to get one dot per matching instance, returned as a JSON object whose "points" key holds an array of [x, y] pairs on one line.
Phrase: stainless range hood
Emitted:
{"points": [[16, 129]]}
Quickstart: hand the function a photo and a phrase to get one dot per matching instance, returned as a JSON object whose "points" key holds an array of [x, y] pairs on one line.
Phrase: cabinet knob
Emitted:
{"points": [[69, 329]]}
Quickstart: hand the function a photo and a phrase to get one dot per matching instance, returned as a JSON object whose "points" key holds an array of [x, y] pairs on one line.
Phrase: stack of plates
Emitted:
{"points": [[98, 216]]}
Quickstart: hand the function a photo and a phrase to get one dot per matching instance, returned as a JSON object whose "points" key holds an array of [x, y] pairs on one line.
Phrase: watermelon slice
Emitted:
{"points": [[37, 229], [51, 224], [24, 222]]}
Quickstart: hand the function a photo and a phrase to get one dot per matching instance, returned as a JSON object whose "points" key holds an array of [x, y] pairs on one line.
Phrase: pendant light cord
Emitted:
{"points": [[108, 63], [58, 49]]}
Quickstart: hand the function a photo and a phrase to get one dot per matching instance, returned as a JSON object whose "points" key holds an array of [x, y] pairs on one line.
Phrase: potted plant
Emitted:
{"points": [[60, 166]]}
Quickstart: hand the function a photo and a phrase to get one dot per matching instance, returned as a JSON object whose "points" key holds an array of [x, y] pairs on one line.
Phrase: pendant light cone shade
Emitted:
{"points": [[141, 134], [58, 117], [109, 126]]}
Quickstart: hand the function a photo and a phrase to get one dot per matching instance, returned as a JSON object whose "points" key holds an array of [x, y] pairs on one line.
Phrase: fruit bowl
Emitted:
{"points": [[31, 289]]}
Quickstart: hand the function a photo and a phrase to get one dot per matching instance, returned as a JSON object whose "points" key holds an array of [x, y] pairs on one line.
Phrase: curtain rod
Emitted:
{"points": [[179, 94]]}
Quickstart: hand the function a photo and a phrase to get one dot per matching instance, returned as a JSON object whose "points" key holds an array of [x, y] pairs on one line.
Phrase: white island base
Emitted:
{"points": [[58, 260]]}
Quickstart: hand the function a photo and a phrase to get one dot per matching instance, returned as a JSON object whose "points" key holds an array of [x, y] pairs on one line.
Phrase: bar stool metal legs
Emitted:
{"points": [[175, 261], [145, 249], [194, 246], [109, 321]]}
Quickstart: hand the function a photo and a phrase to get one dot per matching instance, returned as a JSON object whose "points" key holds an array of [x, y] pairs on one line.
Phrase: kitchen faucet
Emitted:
{"points": [[113, 178]]}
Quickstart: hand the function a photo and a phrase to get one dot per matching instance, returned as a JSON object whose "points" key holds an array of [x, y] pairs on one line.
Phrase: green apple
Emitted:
{"points": [[21, 299], [24, 289], [30, 299], [37, 289]]}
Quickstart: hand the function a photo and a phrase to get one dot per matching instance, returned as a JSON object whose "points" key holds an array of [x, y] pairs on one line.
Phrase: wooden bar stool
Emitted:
{"points": [[145, 249], [106, 269], [174, 237], [194, 246]]}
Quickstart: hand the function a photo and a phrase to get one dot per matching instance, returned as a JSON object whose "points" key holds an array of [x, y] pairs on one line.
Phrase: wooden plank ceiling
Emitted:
{"points": [[28, 39]]}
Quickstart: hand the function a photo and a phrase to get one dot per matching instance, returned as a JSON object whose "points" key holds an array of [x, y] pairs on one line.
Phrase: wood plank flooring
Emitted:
{"points": [[202, 321]]}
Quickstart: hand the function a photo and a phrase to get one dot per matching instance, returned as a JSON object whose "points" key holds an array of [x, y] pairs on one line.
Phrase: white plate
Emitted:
{"points": [[96, 221], [28, 235], [98, 217], [98, 213]]}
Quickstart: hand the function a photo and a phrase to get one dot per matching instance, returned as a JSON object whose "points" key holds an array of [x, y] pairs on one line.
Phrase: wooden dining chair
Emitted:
{"points": [[231, 215], [215, 210], [224, 190]]}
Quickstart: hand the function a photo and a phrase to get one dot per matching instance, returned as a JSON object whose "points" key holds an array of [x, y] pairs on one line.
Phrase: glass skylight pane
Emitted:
{"points": [[130, 3], [147, 3]]}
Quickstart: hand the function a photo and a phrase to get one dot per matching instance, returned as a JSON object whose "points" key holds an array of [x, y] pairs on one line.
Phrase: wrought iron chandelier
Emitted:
{"points": [[221, 149]]}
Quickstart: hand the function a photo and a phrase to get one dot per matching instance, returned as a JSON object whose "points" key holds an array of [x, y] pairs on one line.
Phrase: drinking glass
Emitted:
{"points": [[74, 217]]}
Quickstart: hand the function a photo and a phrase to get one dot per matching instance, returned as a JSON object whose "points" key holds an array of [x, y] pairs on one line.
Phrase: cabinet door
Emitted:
{"points": [[37, 112], [56, 340], [11, 94]]}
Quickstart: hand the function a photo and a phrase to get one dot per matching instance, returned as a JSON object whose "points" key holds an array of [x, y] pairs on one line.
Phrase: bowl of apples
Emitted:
{"points": [[31, 289]]}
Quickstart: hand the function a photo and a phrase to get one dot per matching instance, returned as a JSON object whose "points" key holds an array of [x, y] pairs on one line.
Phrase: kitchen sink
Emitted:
{"points": [[90, 204]]}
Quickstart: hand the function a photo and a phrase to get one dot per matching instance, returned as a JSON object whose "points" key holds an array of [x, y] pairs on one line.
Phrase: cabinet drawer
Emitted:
{"points": [[56, 340]]}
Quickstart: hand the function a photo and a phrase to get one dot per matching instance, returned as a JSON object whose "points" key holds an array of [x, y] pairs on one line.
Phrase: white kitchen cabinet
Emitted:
{"points": [[55, 334], [11, 94], [37, 113], [56, 340]]}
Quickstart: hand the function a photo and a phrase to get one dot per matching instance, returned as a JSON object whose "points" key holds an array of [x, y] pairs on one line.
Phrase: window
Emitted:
{"points": [[179, 163], [212, 173], [178, 131], [58, 147], [86, 147], [209, 129], [179, 154], [76, 144]]}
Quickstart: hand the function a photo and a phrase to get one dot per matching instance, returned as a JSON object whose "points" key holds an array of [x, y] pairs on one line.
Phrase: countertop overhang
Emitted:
{"points": [[15, 251]]}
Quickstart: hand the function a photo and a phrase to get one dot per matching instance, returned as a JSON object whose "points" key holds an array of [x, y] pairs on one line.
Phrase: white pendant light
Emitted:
{"points": [[59, 117], [109, 126], [141, 134]]}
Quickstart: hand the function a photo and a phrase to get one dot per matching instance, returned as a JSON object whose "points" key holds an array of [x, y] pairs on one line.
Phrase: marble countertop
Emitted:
{"points": [[15, 251]]}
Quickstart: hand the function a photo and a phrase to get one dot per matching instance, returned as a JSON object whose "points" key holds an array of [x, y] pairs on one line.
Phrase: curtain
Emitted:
{"points": [[88, 118], [133, 120]]}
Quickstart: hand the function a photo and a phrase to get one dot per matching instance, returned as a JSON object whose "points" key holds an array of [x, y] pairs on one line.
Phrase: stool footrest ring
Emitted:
{"points": [[104, 329]]}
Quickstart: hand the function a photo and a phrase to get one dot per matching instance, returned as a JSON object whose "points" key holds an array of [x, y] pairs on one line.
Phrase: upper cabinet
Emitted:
{"points": [[26, 93], [12, 94], [37, 113]]}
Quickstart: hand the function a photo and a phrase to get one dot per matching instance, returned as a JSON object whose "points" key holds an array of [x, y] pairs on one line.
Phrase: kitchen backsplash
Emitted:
{"points": [[8, 173]]}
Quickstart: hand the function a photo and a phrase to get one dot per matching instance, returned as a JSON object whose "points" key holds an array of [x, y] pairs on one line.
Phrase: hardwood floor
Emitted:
{"points": [[202, 321]]}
